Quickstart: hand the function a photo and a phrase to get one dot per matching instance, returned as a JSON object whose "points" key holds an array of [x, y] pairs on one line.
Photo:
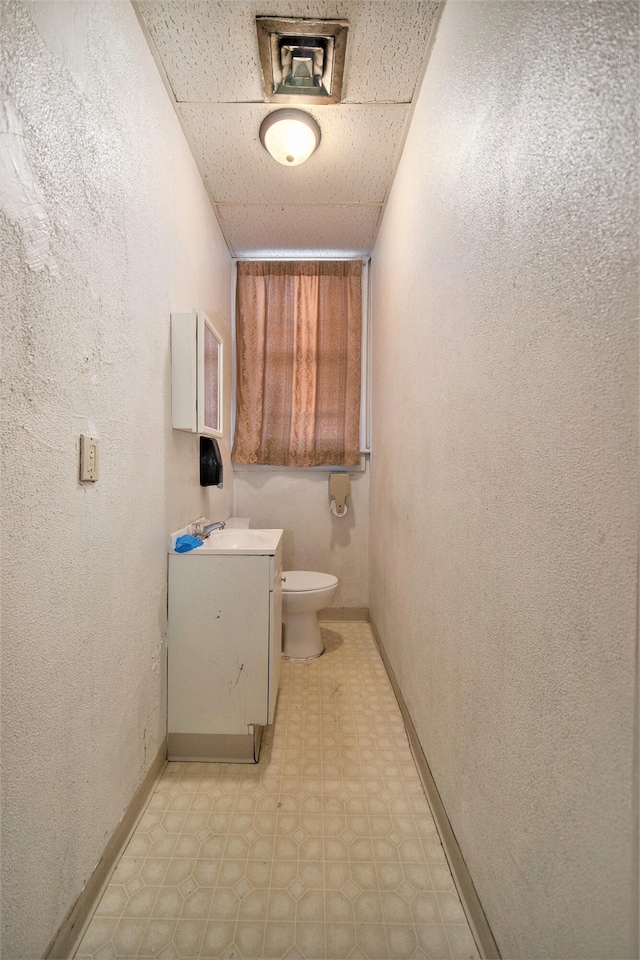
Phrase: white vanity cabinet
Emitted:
{"points": [[224, 651]]}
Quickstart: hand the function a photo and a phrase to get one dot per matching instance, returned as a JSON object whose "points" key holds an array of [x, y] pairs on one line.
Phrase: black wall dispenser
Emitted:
{"points": [[210, 463]]}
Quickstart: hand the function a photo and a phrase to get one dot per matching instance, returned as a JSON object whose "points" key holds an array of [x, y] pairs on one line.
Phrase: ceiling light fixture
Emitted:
{"points": [[290, 136]]}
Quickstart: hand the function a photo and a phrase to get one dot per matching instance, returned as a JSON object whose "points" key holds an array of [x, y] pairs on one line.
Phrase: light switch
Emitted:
{"points": [[88, 458]]}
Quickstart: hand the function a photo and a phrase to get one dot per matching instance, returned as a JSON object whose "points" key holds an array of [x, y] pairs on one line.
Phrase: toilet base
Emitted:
{"points": [[302, 639]]}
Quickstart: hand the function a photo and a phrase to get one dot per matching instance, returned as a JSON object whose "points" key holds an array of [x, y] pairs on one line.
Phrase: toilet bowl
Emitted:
{"points": [[303, 594]]}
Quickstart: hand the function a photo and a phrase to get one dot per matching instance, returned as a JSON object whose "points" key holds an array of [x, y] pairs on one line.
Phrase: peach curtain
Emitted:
{"points": [[298, 332]]}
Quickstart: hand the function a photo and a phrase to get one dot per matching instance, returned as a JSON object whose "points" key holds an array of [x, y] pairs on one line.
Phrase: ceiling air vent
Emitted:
{"points": [[302, 60]]}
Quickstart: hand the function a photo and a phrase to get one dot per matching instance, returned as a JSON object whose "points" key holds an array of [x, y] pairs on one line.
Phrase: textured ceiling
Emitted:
{"points": [[208, 55]]}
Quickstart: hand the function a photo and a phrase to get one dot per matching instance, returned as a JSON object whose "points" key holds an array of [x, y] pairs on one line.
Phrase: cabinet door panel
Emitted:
{"points": [[218, 643]]}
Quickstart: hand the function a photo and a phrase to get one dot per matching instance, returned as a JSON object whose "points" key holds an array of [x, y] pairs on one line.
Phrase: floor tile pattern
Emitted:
{"points": [[325, 849]]}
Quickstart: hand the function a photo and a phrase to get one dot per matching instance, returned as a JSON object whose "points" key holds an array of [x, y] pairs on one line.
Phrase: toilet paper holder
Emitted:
{"points": [[339, 490]]}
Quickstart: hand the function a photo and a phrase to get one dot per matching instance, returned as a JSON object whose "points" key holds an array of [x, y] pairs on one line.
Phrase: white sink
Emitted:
{"points": [[234, 540], [241, 541]]}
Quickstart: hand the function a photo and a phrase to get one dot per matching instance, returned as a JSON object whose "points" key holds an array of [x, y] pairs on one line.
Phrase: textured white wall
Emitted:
{"points": [[298, 502], [504, 465], [105, 228]]}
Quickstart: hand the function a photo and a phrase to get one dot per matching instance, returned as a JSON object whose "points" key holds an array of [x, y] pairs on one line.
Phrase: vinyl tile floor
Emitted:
{"points": [[324, 849]]}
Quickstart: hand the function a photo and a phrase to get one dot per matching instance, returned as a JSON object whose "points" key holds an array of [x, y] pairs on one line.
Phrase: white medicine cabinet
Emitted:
{"points": [[196, 374]]}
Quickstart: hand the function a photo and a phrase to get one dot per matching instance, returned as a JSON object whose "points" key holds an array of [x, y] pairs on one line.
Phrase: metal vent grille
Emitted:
{"points": [[302, 60]]}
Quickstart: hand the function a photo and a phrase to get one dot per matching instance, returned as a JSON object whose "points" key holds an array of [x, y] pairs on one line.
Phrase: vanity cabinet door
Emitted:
{"points": [[218, 643]]}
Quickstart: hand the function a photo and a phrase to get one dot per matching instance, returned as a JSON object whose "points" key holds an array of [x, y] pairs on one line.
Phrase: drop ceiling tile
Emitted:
{"points": [[266, 230], [209, 50], [388, 45], [354, 163]]}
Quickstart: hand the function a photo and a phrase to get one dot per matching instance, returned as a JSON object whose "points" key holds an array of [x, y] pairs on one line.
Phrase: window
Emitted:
{"points": [[298, 345]]}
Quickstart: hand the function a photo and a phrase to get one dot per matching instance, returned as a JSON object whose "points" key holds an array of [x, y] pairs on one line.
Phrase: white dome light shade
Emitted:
{"points": [[290, 136]]}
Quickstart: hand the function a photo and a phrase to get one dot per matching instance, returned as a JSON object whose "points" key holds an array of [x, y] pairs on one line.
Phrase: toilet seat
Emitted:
{"points": [[306, 581]]}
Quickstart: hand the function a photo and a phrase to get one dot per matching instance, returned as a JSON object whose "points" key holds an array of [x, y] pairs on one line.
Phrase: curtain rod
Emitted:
{"points": [[297, 259]]}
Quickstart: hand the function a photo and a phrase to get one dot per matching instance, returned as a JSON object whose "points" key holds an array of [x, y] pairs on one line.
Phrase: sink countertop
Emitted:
{"points": [[232, 542]]}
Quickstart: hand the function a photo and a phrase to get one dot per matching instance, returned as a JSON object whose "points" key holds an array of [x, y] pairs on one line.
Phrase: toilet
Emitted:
{"points": [[303, 594]]}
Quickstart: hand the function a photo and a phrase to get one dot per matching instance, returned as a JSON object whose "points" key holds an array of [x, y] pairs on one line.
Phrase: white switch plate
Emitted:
{"points": [[88, 457]]}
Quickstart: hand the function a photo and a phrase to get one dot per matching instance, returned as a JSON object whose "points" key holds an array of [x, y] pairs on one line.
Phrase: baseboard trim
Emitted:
{"points": [[72, 929], [462, 878], [344, 614]]}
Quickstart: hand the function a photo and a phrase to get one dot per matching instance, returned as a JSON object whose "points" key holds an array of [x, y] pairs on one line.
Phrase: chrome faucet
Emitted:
{"points": [[210, 527]]}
